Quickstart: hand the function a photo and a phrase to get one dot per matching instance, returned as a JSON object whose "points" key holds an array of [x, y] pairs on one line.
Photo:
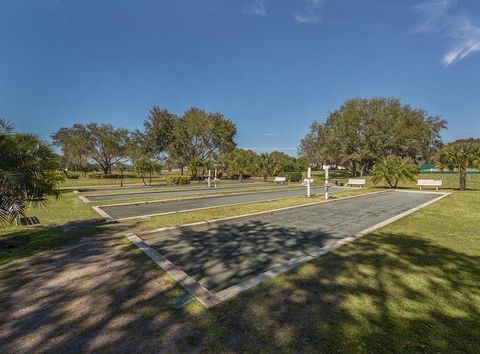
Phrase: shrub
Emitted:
{"points": [[95, 175], [172, 179], [294, 176], [72, 175]]}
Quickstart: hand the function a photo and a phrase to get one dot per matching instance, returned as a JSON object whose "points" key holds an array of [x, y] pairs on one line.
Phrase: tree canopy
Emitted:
{"points": [[362, 131], [101, 143]]}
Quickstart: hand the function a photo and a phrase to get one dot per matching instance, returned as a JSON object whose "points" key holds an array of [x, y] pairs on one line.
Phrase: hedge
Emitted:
{"points": [[172, 179]]}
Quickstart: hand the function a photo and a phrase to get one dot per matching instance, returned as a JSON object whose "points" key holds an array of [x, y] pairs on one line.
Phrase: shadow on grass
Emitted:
{"points": [[383, 293], [20, 242]]}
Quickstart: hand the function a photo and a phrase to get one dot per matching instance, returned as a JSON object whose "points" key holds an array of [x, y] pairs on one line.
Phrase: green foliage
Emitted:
{"points": [[28, 172], [295, 176], [362, 131], [72, 175], [460, 155], [267, 165], [240, 163], [201, 135], [103, 143], [392, 170], [174, 179]]}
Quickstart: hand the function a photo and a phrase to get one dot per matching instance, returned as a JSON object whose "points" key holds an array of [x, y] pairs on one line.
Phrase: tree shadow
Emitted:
{"points": [[382, 293]]}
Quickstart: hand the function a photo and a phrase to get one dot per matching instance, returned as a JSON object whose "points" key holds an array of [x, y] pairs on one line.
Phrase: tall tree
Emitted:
{"points": [[28, 172], [460, 155], [158, 130], [201, 135], [362, 131], [102, 143]]}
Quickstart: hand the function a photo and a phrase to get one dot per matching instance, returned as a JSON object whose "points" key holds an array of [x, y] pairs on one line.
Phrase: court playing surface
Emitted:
{"points": [[192, 191], [140, 209], [219, 256]]}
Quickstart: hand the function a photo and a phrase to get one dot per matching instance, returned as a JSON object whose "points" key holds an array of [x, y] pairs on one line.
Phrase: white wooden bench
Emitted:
{"points": [[429, 183], [279, 179], [356, 182]]}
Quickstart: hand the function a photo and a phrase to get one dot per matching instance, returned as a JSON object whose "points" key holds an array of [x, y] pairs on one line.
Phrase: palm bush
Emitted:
{"points": [[460, 156], [28, 172], [392, 170]]}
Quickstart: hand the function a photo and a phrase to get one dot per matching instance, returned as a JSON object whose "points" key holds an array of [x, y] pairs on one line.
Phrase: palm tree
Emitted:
{"points": [[392, 170], [28, 172], [460, 155]]}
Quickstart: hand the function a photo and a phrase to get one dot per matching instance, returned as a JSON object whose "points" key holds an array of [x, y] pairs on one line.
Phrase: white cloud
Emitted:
{"points": [[460, 29], [256, 7], [310, 11]]}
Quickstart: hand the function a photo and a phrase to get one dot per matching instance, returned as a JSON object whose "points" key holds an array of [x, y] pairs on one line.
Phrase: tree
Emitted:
{"points": [[240, 162], [460, 155], [103, 143], [362, 131], [145, 166], [201, 135], [28, 172], [158, 134], [267, 165], [392, 170]]}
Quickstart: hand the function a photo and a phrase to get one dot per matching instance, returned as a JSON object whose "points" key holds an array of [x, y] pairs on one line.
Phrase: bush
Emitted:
{"points": [[294, 176], [72, 175], [178, 179], [95, 175]]}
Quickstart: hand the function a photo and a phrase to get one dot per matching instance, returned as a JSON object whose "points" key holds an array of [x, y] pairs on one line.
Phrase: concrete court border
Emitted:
{"points": [[108, 217], [209, 299]]}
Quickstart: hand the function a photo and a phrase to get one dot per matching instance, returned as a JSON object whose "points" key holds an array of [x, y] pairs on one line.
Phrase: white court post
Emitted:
{"points": [[208, 178], [309, 175], [326, 181], [215, 179]]}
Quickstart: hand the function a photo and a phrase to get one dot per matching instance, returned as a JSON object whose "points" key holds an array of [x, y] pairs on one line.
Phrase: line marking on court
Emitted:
{"points": [[209, 299]]}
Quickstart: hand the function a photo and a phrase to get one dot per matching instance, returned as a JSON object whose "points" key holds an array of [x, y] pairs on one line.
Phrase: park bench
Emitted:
{"points": [[429, 183], [356, 182], [279, 179]]}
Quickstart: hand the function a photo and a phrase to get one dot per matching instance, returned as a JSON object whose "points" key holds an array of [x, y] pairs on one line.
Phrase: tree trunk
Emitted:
{"points": [[240, 177], [150, 178], [181, 170], [106, 169], [265, 178], [143, 180], [121, 178], [463, 179]]}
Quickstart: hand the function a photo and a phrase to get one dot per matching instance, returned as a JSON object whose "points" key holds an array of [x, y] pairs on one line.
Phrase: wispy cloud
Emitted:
{"points": [[257, 8], [440, 17], [310, 11]]}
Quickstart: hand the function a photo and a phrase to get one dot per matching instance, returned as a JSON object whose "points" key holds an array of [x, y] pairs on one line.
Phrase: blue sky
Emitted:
{"points": [[272, 66]]}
